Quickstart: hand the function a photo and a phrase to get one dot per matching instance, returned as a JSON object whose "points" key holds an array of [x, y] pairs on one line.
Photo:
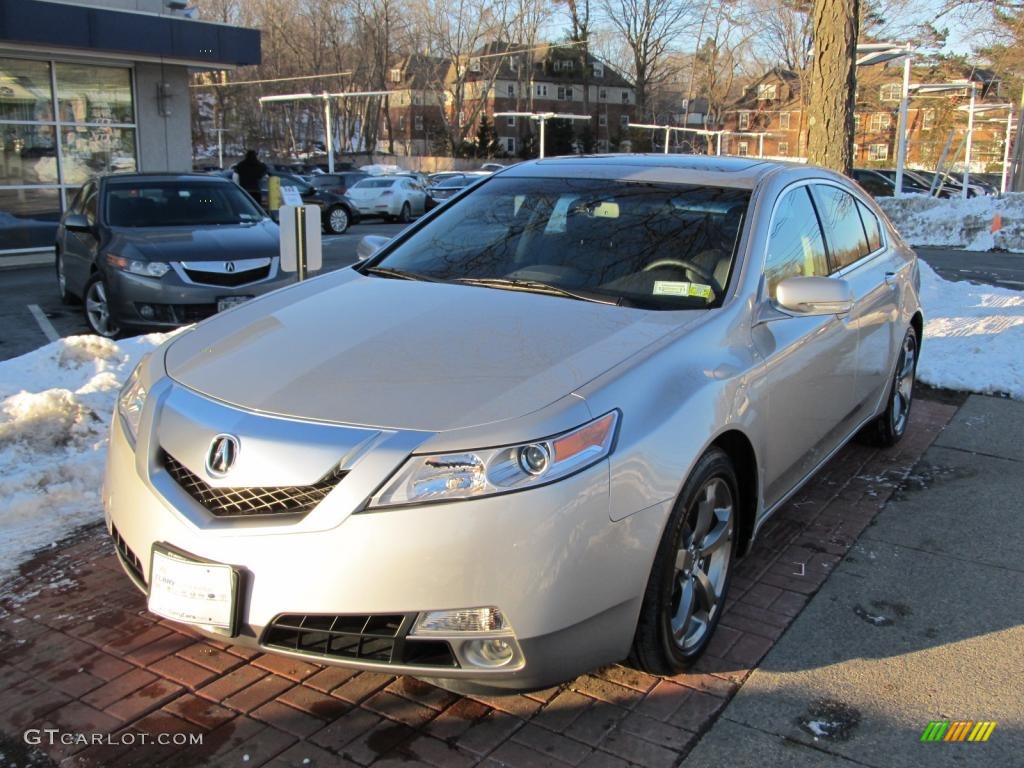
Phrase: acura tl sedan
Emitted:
{"points": [[156, 251], [529, 436]]}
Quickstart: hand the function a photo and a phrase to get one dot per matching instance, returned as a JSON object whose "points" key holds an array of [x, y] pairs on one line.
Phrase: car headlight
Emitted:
{"points": [[473, 474], [137, 267], [131, 401]]}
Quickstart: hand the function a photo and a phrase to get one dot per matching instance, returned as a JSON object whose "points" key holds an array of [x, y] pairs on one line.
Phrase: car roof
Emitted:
{"points": [[695, 169], [161, 176]]}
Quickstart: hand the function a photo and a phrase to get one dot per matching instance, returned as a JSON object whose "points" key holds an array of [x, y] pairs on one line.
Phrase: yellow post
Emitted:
{"points": [[273, 193]]}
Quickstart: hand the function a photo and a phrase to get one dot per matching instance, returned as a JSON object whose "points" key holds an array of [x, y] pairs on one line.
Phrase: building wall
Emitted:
{"points": [[165, 131]]}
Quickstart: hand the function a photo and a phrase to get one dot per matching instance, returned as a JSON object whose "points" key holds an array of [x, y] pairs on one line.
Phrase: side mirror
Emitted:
{"points": [[76, 222], [810, 296], [369, 245]]}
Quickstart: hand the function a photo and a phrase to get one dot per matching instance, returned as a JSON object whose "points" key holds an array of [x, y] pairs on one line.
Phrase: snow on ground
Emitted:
{"points": [[973, 336], [56, 405], [957, 223]]}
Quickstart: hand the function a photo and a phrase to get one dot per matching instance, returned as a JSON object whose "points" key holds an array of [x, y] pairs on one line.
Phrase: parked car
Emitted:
{"points": [[562, 407], [338, 183], [446, 188], [337, 211], [395, 198], [155, 251], [915, 183], [878, 183]]}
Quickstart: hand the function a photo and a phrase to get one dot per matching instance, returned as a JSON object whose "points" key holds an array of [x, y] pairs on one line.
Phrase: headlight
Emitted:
{"points": [[136, 267], [131, 400], [472, 474]]}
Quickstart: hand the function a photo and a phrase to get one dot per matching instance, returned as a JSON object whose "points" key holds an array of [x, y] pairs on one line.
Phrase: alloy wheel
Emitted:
{"points": [[702, 564], [97, 310], [903, 388], [338, 220]]}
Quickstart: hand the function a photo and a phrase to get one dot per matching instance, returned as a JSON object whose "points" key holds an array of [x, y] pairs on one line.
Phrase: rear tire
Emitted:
{"points": [[338, 220], [889, 428], [689, 580]]}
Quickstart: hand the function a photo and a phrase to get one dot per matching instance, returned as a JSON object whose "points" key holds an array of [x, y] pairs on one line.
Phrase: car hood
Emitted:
{"points": [[197, 243], [408, 355]]}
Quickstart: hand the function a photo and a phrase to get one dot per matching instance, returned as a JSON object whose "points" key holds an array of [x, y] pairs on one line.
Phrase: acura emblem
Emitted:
{"points": [[229, 266], [222, 454]]}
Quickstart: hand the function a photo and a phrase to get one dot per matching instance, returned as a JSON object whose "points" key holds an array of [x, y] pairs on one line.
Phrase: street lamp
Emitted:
{"points": [[326, 98], [220, 146], [981, 109], [957, 85], [542, 118]]}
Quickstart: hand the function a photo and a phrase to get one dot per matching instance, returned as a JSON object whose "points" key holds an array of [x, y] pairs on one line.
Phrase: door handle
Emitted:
{"points": [[890, 279]]}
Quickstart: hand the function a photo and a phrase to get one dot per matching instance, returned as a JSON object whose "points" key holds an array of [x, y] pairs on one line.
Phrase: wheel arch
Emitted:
{"points": [[917, 322], [740, 450]]}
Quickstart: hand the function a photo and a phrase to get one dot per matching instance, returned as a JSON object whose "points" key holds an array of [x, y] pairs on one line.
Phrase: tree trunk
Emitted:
{"points": [[834, 84]]}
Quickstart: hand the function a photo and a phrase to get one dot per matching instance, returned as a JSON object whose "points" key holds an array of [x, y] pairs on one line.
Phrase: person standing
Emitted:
{"points": [[250, 173]]}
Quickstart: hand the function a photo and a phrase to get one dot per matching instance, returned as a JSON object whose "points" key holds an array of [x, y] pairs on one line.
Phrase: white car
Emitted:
{"points": [[392, 197]]}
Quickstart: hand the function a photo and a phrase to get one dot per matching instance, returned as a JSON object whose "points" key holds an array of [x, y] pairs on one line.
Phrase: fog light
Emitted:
{"points": [[494, 652], [488, 619], [147, 311]]}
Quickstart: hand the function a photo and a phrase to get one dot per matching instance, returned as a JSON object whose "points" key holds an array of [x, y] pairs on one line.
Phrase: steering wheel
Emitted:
{"points": [[681, 264]]}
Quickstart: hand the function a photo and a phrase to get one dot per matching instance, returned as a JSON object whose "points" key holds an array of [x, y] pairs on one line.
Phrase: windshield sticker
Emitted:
{"points": [[673, 288]]}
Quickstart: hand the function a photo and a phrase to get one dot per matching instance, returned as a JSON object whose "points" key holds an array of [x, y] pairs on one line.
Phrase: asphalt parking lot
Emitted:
{"points": [[31, 314]]}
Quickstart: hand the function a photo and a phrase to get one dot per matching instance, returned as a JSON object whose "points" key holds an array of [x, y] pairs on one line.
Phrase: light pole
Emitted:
{"points": [[220, 146], [957, 85], [326, 98], [879, 53], [980, 109], [542, 118]]}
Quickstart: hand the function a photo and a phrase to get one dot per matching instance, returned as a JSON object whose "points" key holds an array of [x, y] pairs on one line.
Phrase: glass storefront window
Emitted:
{"points": [[28, 218], [91, 150], [25, 90], [52, 142], [94, 94], [28, 154]]}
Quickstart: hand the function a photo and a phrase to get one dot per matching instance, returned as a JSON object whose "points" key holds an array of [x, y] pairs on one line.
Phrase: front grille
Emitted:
{"points": [[375, 638], [179, 314], [129, 558], [228, 279], [248, 502]]}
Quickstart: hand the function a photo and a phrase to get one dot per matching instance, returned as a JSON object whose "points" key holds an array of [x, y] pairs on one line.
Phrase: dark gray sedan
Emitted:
{"points": [[156, 251]]}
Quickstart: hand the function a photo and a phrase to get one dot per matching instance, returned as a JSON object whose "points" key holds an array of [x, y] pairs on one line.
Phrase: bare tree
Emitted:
{"points": [[834, 83], [649, 28]]}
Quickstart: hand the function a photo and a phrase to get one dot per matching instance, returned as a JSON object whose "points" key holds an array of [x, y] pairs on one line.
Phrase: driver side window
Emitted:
{"points": [[795, 245]]}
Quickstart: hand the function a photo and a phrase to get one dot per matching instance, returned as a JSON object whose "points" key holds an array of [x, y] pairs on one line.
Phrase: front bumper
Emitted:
{"points": [[569, 580], [174, 302]]}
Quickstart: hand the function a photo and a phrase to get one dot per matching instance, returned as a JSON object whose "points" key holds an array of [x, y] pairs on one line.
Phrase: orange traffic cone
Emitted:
{"points": [[997, 222]]}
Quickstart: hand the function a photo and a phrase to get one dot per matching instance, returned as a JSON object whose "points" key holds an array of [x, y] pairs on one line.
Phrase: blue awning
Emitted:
{"points": [[104, 30]]}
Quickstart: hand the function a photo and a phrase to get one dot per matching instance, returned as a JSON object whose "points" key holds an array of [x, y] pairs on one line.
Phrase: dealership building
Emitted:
{"points": [[96, 86]]}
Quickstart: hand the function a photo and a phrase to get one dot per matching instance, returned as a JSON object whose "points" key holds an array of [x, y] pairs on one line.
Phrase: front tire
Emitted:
{"points": [[338, 220], [97, 308], [889, 428], [406, 214], [689, 580]]}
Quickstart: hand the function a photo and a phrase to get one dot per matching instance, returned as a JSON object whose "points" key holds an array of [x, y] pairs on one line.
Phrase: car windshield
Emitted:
{"points": [[178, 203], [374, 184], [656, 246]]}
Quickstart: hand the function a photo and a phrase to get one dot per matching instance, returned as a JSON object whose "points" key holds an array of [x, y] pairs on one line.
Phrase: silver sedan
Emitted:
{"points": [[531, 435]]}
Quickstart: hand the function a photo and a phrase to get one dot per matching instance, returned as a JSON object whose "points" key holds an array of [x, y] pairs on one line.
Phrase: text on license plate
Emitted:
{"points": [[191, 592]]}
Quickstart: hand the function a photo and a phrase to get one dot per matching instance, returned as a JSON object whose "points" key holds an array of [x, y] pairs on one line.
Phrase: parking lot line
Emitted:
{"points": [[43, 322]]}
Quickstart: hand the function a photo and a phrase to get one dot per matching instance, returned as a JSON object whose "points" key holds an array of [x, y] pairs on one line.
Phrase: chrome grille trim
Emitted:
{"points": [[251, 502]]}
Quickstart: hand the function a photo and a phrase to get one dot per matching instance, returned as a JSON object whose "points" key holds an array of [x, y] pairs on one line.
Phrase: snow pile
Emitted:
{"points": [[957, 223], [56, 404], [973, 336]]}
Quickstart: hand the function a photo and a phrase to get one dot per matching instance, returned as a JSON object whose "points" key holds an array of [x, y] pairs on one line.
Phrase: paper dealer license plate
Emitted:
{"points": [[192, 592]]}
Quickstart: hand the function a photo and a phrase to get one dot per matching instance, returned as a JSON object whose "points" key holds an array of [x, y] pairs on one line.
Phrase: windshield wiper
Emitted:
{"points": [[401, 274], [537, 286]]}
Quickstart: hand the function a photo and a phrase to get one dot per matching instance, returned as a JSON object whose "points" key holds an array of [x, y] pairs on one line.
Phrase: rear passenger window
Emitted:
{"points": [[844, 232], [795, 246], [871, 226]]}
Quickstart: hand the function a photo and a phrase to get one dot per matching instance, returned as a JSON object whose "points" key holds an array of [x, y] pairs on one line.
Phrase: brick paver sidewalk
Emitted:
{"points": [[79, 653]]}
